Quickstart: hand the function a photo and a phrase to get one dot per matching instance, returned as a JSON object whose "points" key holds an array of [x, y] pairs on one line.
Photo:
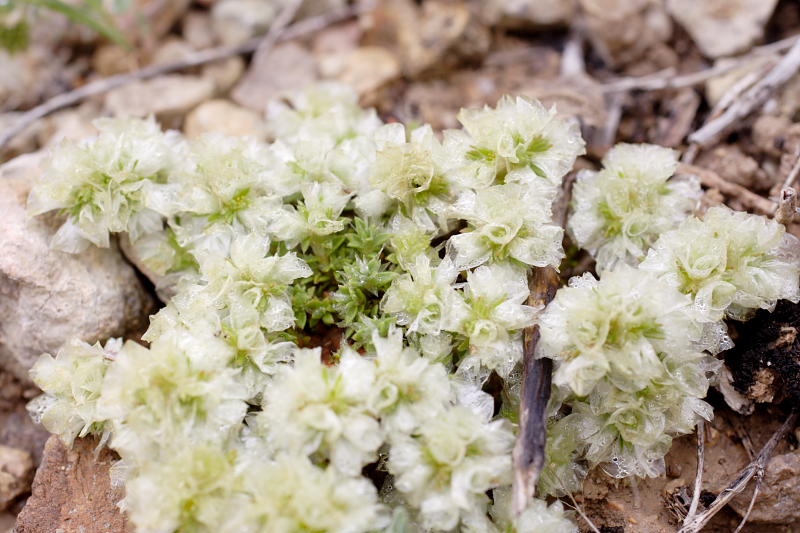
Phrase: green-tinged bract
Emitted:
{"points": [[402, 253], [730, 263], [341, 301], [620, 211]]}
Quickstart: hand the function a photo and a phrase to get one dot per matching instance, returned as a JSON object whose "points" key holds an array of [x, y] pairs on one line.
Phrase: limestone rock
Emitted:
{"points": [[224, 74], [146, 21], [168, 97], [778, 501], [224, 117], [368, 68], [197, 31], [171, 51], [532, 13], [722, 27], [16, 471], [73, 492], [431, 38], [622, 31], [111, 59], [235, 21], [289, 66], [733, 165], [333, 45], [46, 296]]}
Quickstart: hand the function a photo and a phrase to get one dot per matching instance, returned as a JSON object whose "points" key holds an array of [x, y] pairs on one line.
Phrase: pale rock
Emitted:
{"points": [[622, 31], [47, 296], [196, 29], [368, 68], [734, 166], [167, 97], [16, 472], [333, 45], [722, 27], [69, 124], [23, 142], [171, 50], [236, 21], [73, 492], [772, 134], [222, 116], [224, 73], [532, 13], [146, 21], [33, 75], [778, 500], [434, 37], [289, 67], [111, 59]]}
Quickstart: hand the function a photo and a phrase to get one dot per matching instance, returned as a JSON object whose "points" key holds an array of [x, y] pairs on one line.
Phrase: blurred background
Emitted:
{"points": [[715, 79]]}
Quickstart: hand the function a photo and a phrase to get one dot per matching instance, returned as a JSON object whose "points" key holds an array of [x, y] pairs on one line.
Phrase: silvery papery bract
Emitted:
{"points": [[337, 299], [730, 263], [228, 421], [619, 211], [628, 365]]}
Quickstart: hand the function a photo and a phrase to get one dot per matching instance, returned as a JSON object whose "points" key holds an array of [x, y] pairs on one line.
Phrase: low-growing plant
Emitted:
{"points": [[405, 256]]}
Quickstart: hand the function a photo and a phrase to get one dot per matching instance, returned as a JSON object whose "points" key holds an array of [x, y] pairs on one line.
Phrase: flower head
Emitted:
{"points": [[730, 263], [425, 299], [495, 296], [620, 211], [322, 411], [107, 184], [446, 468], [510, 221], [619, 326], [519, 140], [72, 382]]}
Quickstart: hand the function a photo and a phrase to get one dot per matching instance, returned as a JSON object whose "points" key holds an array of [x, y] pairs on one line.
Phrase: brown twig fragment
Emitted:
{"points": [[751, 100], [528, 454], [787, 210], [302, 28], [749, 199], [755, 468]]}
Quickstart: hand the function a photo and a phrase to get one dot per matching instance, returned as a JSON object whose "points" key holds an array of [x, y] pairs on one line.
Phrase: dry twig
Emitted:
{"points": [[302, 28], [749, 199], [698, 478], [750, 100], [528, 454], [794, 172], [787, 210], [755, 468], [583, 514], [666, 79]]}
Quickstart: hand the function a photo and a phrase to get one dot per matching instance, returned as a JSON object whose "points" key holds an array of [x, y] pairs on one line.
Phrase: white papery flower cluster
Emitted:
{"points": [[620, 211], [409, 251], [731, 263], [629, 366], [632, 349], [337, 299]]}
